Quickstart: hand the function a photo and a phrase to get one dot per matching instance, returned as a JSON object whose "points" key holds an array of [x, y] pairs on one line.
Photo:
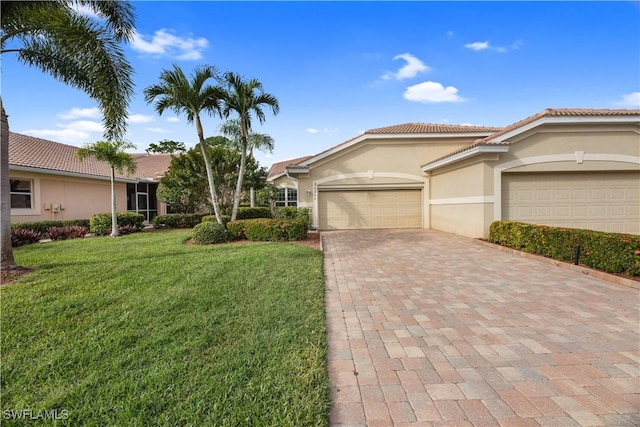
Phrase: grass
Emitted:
{"points": [[145, 330]]}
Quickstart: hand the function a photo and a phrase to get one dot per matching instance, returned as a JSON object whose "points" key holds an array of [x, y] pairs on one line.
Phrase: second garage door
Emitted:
{"points": [[604, 201], [339, 210]]}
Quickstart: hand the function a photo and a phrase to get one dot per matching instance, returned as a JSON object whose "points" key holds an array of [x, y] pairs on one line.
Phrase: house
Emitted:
{"points": [[48, 182], [561, 167]]}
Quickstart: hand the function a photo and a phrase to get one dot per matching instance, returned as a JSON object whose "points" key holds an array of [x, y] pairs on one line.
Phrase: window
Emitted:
{"points": [[21, 194], [287, 197]]}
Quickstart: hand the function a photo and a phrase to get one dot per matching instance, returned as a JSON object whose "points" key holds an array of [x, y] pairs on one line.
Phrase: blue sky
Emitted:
{"points": [[339, 68]]}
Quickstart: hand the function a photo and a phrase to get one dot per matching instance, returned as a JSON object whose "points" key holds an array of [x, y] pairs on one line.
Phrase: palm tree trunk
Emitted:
{"points": [[238, 194], [7, 261], [207, 166], [114, 213]]}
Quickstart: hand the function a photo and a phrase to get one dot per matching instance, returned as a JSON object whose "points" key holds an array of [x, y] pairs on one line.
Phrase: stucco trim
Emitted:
{"points": [[475, 151], [36, 205], [551, 158], [72, 174], [462, 200]]}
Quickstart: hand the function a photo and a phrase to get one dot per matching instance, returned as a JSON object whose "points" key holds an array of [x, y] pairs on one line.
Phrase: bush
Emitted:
{"points": [[293, 212], [263, 229], [126, 229], [24, 236], [100, 224], [212, 218], [66, 232], [252, 213], [177, 220], [210, 232], [42, 226], [609, 252]]}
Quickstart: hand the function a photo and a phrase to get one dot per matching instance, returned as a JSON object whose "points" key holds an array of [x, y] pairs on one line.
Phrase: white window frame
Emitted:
{"points": [[35, 197], [287, 200]]}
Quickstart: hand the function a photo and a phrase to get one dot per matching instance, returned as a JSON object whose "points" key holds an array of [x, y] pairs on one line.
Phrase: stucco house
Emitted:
{"points": [[562, 167], [48, 182]]}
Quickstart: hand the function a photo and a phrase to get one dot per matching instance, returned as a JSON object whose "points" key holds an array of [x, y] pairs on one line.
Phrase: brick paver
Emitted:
{"points": [[431, 329]]}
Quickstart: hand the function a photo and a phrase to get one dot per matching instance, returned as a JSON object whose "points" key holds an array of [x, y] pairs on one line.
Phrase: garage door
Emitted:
{"points": [[370, 209], [596, 201]]}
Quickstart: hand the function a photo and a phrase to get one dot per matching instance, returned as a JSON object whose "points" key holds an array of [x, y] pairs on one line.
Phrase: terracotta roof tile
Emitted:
{"points": [[410, 128], [38, 153], [279, 167], [152, 166]]}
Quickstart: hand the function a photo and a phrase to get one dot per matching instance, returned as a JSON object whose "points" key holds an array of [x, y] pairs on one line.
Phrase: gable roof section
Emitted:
{"points": [[152, 166], [33, 154], [280, 168], [403, 131], [498, 142]]}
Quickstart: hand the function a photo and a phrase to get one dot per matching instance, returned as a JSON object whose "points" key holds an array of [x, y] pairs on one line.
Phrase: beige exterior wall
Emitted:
{"points": [[465, 219], [79, 198]]}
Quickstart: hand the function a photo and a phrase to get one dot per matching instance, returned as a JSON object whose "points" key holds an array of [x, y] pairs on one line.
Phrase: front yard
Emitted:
{"points": [[145, 330]]}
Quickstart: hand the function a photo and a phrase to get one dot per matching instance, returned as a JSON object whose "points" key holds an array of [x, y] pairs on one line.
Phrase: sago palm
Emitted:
{"points": [[82, 51], [246, 98], [112, 152], [190, 97]]}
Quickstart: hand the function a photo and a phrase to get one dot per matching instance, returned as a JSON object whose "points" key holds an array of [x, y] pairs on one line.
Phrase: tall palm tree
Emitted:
{"points": [[246, 98], [112, 152], [190, 97], [81, 51], [255, 141]]}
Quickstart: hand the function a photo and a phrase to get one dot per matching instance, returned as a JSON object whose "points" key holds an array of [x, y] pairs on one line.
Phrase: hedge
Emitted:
{"points": [[209, 232], [293, 212], [609, 252], [100, 224], [264, 229], [42, 226], [252, 213], [177, 220], [212, 218]]}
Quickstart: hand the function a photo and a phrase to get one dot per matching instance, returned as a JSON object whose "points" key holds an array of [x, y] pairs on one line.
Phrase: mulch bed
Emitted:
{"points": [[12, 274]]}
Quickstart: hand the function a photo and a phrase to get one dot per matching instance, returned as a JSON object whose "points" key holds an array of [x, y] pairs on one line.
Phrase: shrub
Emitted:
{"points": [[100, 224], [252, 213], [177, 220], [210, 232], [212, 218], [126, 229], [263, 229], [24, 236], [293, 212], [610, 252], [66, 232], [42, 226]]}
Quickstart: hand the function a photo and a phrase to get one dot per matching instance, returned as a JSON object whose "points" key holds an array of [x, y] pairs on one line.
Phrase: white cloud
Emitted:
{"points": [[83, 126], [68, 136], [477, 45], [173, 119], [140, 118], [411, 69], [630, 100], [313, 130], [323, 130], [164, 42], [432, 92], [76, 113], [158, 130]]}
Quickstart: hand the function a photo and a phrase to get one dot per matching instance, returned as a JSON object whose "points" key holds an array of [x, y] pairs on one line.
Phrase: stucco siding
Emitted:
{"points": [[467, 219]]}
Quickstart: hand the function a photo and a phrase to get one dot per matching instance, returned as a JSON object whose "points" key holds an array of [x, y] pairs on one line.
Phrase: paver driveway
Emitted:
{"points": [[427, 328]]}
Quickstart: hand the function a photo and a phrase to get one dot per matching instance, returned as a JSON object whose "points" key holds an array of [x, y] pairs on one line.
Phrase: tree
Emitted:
{"points": [[255, 141], [113, 153], [166, 147], [246, 98], [183, 187], [78, 50], [176, 93]]}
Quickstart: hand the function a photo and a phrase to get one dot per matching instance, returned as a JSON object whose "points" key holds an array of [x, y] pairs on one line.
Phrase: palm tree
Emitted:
{"points": [[255, 141], [176, 93], [120, 161], [81, 51], [246, 98]]}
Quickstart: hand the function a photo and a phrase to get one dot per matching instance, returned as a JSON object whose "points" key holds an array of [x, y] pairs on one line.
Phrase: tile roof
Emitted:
{"points": [[37, 153], [494, 139], [409, 128], [152, 166], [280, 167]]}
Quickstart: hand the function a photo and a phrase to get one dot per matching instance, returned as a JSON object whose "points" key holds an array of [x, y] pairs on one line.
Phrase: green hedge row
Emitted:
{"points": [[609, 252], [209, 232], [42, 226], [266, 229], [177, 220], [100, 224]]}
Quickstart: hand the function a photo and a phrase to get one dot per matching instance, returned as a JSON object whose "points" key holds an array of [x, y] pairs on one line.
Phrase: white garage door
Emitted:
{"points": [[370, 209], [592, 200]]}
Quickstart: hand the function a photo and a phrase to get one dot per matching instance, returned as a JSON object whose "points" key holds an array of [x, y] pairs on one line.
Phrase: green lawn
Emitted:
{"points": [[145, 330]]}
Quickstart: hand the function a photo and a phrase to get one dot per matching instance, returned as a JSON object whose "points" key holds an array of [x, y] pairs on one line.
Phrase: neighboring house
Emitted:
{"points": [[48, 182], [562, 167]]}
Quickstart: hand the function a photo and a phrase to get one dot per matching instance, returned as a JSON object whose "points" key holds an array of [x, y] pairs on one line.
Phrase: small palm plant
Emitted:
{"points": [[119, 160]]}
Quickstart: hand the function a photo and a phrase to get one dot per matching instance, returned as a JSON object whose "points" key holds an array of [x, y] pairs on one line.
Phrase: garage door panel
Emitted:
{"points": [[598, 201], [370, 209]]}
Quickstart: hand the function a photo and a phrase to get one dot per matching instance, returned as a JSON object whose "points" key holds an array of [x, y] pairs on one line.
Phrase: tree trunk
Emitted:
{"points": [[114, 212], [252, 193], [6, 262], [207, 166], [243, 161]]}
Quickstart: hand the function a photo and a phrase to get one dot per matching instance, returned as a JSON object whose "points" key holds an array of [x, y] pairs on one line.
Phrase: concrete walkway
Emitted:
{"points": [[431, 329]]}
